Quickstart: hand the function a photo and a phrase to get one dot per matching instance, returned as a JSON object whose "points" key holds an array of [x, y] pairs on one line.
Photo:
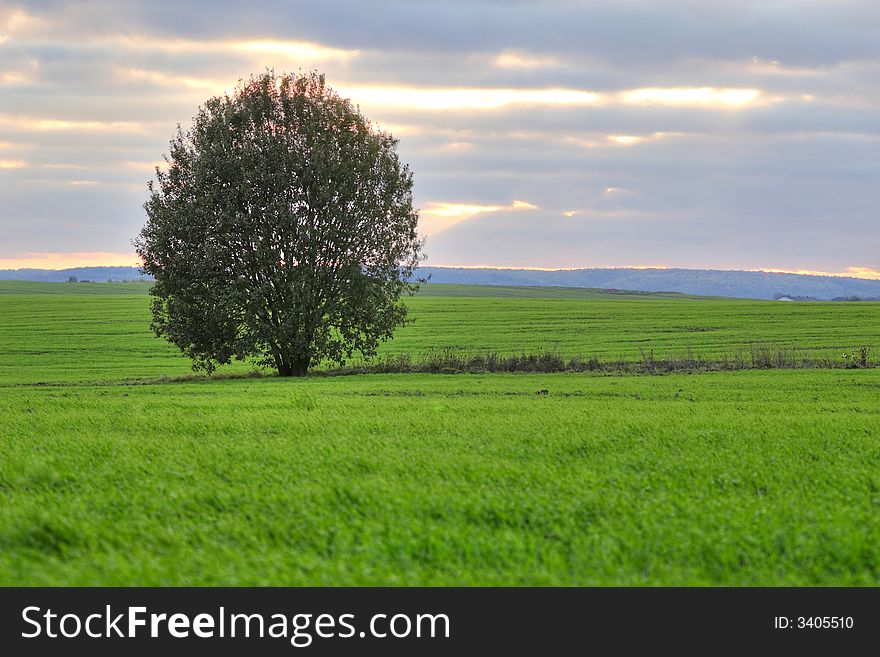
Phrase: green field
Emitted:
{"points": [[109, 476], [53, 332]]}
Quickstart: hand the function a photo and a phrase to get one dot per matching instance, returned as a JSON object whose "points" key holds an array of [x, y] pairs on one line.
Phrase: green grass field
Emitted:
{"points": [[109, 476], [54, 332]]}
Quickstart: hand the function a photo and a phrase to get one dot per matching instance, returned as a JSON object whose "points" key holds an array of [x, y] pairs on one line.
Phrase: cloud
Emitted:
{"points": [[464, 98], [11, 77], [705, 96], [57, 124], [512, 59], [295, 50], [739, 134], [159, 78], [635, 140], [432, 98], [457, 146], [16, 22]]}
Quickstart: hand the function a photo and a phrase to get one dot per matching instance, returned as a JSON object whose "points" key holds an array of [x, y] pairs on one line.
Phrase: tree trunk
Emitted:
{"points": [[281, 363], [293, 365], [301, 365]]}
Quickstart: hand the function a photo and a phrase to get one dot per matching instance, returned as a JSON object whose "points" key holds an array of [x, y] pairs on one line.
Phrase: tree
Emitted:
{"points": [[283, 229]]}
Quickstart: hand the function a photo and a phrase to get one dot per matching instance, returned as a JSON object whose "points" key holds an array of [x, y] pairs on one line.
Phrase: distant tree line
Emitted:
{"points": [[74, 279]]}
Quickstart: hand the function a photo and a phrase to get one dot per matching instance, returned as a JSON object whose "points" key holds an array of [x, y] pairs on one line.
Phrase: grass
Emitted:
{"points": [[753, 478], [625, 328], [110, 477], [73, 332]]}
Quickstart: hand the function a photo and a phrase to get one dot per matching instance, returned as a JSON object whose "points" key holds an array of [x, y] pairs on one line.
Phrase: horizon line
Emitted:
{"points": [[857, 273]]}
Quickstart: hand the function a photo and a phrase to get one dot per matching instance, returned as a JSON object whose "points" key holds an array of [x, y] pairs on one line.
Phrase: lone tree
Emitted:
{"points": [[283, 229]]}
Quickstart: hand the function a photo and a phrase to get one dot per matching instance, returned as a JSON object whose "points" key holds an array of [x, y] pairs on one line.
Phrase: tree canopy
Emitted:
{"points": [[283, 229]]}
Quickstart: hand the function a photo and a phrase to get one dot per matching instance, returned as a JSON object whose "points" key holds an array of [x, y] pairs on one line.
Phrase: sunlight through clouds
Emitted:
{"points": [[457, 210], [706, 96], [437, 217], [626, 140]]}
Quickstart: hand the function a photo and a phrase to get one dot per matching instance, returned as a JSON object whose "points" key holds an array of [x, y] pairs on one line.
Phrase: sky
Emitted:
{"points": [[718, 134]]}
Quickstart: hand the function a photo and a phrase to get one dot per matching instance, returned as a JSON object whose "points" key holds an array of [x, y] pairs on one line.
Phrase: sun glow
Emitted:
{"points": [[437, 217], [626, 140], [457, 210]]}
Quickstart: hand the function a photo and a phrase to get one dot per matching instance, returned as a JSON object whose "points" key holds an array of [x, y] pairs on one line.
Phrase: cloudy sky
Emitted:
{"points": [[692, 133]]}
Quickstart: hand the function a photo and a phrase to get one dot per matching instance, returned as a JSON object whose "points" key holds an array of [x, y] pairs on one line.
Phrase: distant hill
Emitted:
{"points": [[532, 292], [705, 282], [94, 274]]}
